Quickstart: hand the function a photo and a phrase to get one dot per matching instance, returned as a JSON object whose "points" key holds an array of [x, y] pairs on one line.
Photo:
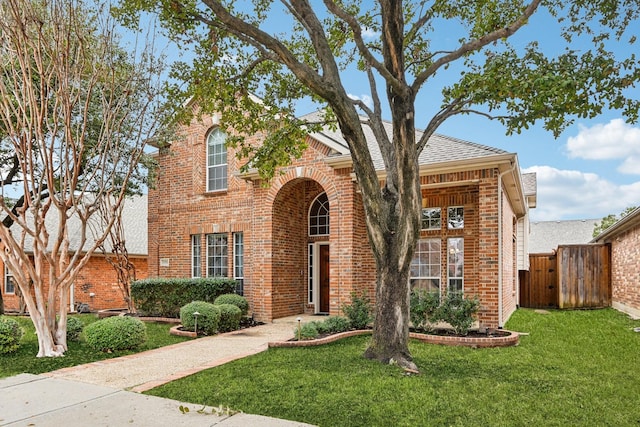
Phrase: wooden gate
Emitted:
{"points": [[577, 276], [584, 276], [538, 286]]}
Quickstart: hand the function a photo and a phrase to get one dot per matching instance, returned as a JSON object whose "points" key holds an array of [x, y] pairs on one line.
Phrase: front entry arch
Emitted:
{"points": [[292, 291]]}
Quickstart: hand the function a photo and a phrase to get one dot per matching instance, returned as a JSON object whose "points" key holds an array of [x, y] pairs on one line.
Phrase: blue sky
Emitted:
{"points": [[590, 171]]}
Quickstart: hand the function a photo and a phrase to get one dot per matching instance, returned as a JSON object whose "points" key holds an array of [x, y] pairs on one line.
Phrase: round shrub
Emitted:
{"points": [[234, 299], [208, 319], [230, 316], [116, 333], [10, 335], [74, 328]]}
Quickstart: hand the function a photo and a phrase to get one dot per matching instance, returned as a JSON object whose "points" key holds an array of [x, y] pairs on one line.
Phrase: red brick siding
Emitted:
{"points": [[274, 219], [625, 271], [99, 278]]}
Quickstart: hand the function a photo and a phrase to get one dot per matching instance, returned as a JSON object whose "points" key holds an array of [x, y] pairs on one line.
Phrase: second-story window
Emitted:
{"points": [[216, 161]]}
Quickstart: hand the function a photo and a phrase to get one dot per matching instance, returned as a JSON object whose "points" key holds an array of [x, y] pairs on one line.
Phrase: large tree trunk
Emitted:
{"points": [[389, 343]]}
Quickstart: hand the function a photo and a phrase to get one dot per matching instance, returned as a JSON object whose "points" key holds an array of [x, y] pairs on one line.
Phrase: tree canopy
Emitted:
{"points": [[609, 220], [292, 50], [76, 110]]}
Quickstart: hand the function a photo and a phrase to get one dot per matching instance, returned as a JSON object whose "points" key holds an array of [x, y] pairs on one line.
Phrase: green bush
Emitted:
{"points": [[208, 319], [74, 328], [230, 316], [359, 312], [333, 325], [116, 333], [307, 331], [164, 297], [424, 309], [10, 335], [459, 312], [234, 299]]}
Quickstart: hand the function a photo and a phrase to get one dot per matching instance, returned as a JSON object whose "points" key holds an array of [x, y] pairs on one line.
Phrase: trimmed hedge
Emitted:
{"points": [[10, 335], [164, 297], [230, 316], [208, 319], [116, 333], [234, 299]]}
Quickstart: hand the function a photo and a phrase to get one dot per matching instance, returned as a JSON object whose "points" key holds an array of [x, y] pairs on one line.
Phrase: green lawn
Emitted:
{"points": [[24, 360], [575, 368]]}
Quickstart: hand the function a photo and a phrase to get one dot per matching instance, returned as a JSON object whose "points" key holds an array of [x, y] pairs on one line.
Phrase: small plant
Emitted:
{"points": [[230, 316], [308, 331], [336, 324], [459, 312], [208, 318], [359, 312], [74, 328], [234, 299], [116, 333], [10, 335], [424, 309]]}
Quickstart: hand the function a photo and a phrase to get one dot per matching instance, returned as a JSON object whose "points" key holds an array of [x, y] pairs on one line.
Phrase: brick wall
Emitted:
{"points": [[625, 271], [274, 219], [98, 278]]}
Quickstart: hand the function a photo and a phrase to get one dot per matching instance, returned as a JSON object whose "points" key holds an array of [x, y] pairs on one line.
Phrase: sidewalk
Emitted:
{"points": [[103, 393]]}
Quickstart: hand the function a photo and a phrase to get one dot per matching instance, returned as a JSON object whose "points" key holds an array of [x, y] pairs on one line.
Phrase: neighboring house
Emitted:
{"points": [[546, 236], [97, 284], [298, 244], [624, 238]]}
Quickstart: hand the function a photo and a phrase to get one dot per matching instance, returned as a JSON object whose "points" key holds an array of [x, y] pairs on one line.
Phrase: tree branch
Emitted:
{"points": [[476, 44]]}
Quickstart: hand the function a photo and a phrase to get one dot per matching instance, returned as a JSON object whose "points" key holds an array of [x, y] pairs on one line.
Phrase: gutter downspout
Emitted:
{"points": [[500, 220]]}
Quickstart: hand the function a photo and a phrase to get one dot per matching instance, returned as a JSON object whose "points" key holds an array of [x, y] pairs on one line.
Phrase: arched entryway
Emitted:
{"points": [[301, 251]]}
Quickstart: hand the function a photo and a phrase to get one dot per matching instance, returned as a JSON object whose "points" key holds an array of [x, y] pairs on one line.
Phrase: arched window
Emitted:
{"points": [[319, 216], [216, 161]]}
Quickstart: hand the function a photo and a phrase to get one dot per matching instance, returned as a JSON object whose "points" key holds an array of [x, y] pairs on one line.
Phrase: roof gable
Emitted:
{"points": [[439, 149]]}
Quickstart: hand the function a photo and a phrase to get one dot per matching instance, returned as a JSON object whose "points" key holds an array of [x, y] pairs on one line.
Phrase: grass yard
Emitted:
{"points": [[24, 360], [575, 368]]}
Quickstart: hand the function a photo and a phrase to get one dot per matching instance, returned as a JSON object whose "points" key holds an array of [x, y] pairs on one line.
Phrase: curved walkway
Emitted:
{"points": [[100, 393]]}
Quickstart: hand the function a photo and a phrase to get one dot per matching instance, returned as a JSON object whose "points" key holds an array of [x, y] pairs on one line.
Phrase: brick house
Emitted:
{"points": [[624, 239], [298, 244], [97, 283]]}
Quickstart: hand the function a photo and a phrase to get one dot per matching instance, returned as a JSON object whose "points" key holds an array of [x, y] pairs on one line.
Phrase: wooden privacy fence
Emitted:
{"points": [[576, 276]]}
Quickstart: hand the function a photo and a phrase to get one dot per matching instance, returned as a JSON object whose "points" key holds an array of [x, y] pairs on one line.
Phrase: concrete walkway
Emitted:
{"points": [[103, 393]]}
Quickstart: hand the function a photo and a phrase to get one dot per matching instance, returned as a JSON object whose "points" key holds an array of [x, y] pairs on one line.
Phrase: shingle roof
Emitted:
{"points": [[530, 183], [632, 219], [134, 217], [439, 149], [546, 236]]}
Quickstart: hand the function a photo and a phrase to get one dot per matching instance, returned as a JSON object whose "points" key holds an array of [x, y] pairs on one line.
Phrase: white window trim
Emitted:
{"points": [[439, 227], [235, 256], [449, 276], [193, 253], [449, 218], [7, 275], [215, 166], [328, 216], [226, 256]]}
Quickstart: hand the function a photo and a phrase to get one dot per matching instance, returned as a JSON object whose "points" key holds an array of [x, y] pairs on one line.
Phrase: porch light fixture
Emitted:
{"points": [[195, 322]]}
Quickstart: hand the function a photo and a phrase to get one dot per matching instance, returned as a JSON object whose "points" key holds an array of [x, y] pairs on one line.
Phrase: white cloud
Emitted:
{"points": [[611, 141], [368, 33], [368, 101], [570, 194]]}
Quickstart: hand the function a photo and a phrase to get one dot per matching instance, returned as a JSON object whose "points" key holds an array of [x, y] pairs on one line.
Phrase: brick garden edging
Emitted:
{"points": [[475, 342]]}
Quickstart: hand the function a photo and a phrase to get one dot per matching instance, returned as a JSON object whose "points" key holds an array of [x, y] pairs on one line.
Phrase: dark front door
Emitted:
{"points": [[324, 278]]}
